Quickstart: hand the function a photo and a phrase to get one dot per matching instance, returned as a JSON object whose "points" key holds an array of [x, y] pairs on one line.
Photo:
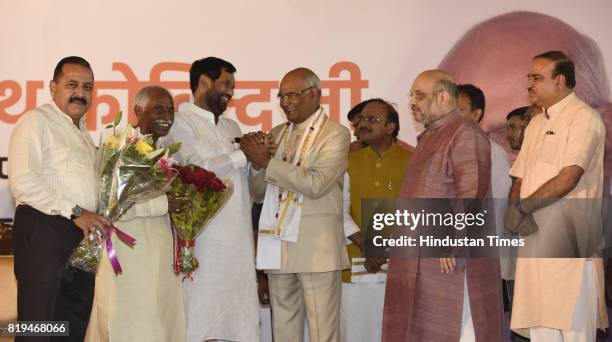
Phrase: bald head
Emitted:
{"points": [[300, 94], [306, 75], [433, 95], [441, 80]]}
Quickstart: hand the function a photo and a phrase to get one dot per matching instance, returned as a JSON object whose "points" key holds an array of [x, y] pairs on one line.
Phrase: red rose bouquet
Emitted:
{"points": [[202, 195]]}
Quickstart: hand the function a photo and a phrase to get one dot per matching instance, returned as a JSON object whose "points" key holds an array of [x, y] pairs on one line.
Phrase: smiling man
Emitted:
{"points": [[302, 249], [221, 303], [146, 301], [52, 173]]}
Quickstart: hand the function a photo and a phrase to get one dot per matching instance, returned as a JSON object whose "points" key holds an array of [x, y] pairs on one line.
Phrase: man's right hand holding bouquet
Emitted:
{"points": [[89, 221]]}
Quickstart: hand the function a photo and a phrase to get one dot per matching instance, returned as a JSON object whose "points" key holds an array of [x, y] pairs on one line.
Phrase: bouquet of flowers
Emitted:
{"points": [[130, 170], [203, 195]]}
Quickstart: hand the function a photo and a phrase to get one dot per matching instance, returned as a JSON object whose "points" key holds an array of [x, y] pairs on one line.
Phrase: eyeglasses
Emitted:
{"points": [[370, 119], [292, 96], [420, 96]]}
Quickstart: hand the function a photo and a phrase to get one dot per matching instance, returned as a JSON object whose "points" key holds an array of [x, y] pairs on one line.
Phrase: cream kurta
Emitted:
{"points": [[546, 290], [145, 302]]}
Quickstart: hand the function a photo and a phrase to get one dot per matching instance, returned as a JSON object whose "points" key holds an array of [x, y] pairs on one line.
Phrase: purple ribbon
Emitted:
{"points": [[112, 255], [175, 248]]}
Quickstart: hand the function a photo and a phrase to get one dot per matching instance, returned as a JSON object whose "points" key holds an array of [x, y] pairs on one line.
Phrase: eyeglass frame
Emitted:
{"points": [[420, 96], [293, 95], [369, 119]]}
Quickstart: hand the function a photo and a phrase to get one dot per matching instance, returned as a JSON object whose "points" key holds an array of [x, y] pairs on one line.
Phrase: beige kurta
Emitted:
{"points": [[546, 290], [145, 302]]}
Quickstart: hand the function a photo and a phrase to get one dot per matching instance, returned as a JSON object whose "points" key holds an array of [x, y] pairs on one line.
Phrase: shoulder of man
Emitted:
{"points": [[32, 116], [584, 111], [333, 125], [469, 126], [229, 121], [358, 155]]}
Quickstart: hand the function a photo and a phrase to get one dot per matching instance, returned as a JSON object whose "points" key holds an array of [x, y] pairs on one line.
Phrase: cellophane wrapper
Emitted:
{"points": [[130, 170]]}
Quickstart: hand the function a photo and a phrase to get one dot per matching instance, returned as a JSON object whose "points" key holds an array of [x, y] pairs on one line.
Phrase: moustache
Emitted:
{"points": [[364, 130], [78, 99]]}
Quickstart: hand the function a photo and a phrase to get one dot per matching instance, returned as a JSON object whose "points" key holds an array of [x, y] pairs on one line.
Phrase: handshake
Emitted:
{"points": [[258, 147]]}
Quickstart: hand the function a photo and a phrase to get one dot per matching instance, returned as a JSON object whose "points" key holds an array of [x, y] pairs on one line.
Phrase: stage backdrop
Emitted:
{"points": [[360, 49]]}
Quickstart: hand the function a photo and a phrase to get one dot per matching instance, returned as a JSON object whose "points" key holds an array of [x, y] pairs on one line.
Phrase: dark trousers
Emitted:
{"points": [[47, 290]]}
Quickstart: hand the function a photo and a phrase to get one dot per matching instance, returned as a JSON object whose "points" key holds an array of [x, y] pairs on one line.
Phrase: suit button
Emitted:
{"points": [[378, 165], [377, 183]]}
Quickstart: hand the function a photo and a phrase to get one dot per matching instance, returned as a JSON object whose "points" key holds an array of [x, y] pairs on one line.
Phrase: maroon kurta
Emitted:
{"points": [[452, 160]]}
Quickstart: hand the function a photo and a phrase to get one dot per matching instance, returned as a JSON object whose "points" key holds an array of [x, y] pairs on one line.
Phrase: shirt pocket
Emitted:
{"points": [[549, 149]]}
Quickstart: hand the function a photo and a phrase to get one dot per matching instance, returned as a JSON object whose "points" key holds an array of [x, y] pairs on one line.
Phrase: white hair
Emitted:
{"points": [[314, 81], [143, 96]]}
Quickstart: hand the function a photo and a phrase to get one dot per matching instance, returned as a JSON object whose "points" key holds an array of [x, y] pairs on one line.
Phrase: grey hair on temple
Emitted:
{"points": [[143, 96]]}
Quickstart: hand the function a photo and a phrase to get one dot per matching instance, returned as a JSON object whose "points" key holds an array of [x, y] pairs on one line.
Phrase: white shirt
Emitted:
{"points": [[195, 129], [500, 171], [221, 302], [52, 164]]}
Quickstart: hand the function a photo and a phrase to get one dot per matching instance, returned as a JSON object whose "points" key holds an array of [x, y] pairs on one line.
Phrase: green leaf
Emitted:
{"points": [[173, 148], [149, 139], [118, 118], [109, 126], [155, 154]]}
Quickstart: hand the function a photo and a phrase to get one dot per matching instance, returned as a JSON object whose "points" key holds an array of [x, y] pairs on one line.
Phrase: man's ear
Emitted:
{"points": [[444, 97], [477, 114], [138, 112], [391, 127], [205, 82], [53, 88], [560, 79]]}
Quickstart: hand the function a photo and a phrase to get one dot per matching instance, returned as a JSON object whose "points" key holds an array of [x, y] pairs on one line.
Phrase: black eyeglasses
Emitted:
{"points": [[292, 96]]}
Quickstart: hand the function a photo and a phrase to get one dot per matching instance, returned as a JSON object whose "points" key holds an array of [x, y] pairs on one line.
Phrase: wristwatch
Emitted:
{"points": [[76, 212]]}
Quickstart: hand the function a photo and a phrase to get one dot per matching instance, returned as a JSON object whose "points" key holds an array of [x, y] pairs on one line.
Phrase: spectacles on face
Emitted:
{"points": [[369, 119], [420, 96], [292, 96]]}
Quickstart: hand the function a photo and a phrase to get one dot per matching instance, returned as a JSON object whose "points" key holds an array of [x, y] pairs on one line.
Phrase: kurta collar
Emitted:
{"points": [[67, 117], [440, 122], [203, 113], [389, 152]]}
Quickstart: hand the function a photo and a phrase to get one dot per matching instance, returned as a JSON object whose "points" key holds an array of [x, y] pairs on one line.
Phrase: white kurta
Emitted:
{"points": [[500, 188], [221, 302]]}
